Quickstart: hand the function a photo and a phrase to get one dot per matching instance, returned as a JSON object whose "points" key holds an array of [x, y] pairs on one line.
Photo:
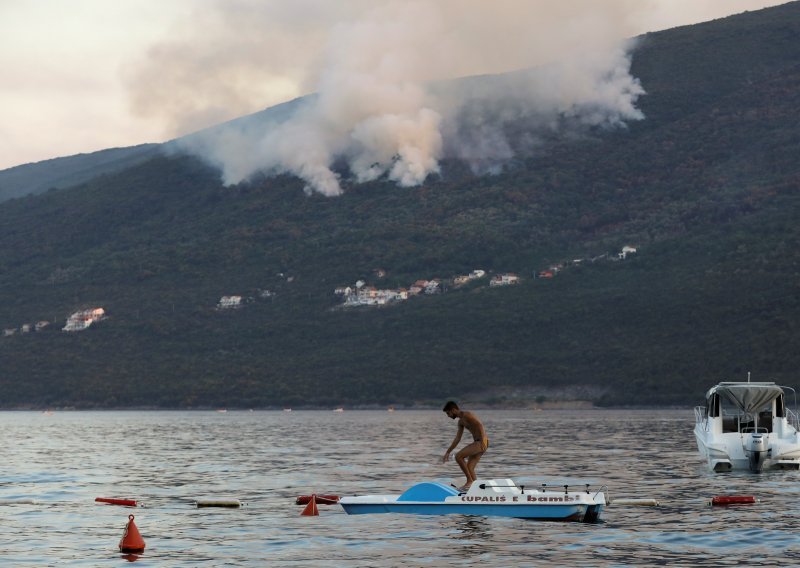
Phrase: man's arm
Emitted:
{"points": [[455, 442]]}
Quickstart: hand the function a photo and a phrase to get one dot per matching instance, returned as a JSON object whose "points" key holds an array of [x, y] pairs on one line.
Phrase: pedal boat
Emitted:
{"points": [[493, 497], [746, 426]]}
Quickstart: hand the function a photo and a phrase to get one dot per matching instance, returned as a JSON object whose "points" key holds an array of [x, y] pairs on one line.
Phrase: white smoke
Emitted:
{"points": [[385, 103]]}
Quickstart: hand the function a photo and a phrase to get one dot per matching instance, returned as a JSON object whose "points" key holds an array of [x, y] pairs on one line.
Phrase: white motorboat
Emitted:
{"points": [[747, 426]]}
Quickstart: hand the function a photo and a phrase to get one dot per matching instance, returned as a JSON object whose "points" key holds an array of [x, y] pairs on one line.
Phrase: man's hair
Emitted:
{"points": [[450, 405]]}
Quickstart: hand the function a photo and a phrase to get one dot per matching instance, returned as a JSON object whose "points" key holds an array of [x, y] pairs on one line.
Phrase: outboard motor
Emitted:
{"points": [[757, 452]]}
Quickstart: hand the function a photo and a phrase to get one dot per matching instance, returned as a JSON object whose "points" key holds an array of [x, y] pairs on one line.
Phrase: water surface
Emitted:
{"points": [[170, 459]]}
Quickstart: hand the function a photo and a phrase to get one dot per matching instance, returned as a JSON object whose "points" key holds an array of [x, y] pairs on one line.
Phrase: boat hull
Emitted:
{"points": [[726, 452], [497, 498], [575, 513]]}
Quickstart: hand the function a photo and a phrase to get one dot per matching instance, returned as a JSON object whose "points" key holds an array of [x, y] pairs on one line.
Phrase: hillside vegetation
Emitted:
{"points": [[706, 188], [60, 173]]}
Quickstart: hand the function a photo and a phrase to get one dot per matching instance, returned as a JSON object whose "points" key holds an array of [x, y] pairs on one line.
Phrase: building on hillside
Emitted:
{"points": [[418, 287], [626, 250], [9, 331], [366, 293], [460, 280], [40, 325], [82, 319], [433, 287], [229, 302], [371, 296], [478, 273], [506, 279]]}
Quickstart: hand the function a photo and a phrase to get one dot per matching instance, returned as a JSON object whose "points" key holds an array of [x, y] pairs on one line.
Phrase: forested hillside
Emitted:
{"points": [[60, 173], [705, 188]]}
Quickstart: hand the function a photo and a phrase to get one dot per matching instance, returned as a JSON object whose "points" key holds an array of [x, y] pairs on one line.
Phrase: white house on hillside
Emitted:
{"points": [[228, 302], [433, 287], [504, 280], [82, 319]]}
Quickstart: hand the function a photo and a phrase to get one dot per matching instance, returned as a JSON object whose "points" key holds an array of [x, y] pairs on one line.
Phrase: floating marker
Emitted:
{"points": [[122, 502], [18, 502], [733, 500], [635, 502], [224, 503], [131, 540], [311, 509], [321, 499]]}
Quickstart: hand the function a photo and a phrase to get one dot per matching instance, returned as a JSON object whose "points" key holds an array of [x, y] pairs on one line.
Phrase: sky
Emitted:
{"points": [[84, 75]]}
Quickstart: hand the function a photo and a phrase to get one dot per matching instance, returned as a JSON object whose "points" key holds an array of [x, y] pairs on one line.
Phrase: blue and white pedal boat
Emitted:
{"points": [[492, 497]]}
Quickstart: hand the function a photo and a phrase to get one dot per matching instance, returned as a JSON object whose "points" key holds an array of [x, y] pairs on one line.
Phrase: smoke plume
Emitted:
{"points": [[388, 100]]}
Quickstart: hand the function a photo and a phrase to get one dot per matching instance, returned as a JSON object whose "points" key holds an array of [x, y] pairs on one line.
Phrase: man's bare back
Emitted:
{"points": [[471, 423]]}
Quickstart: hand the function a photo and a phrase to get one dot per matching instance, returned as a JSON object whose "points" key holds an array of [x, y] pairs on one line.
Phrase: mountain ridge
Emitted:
{"points": [[705, 187], [62, 172]]}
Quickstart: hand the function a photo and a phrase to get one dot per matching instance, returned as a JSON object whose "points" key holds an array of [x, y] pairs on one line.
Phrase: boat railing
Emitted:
{"points": [[755, 430], [700, 414], [793, 419], [734, 420]]}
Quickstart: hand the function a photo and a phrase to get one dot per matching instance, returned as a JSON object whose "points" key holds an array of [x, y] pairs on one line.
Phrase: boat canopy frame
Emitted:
{"points": [[747, 397]]}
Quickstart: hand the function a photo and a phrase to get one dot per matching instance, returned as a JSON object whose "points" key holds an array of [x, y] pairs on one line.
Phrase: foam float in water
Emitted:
{"points": [[732, 500], [635, 502], [112, 501], [131, 540], [223, 503]]}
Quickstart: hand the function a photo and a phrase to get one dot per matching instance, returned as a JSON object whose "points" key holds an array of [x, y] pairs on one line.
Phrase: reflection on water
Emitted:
{"points": [[170, 459]]}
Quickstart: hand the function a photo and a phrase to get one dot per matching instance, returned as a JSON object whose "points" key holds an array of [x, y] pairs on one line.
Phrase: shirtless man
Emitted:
{"points": [[470, 455]]}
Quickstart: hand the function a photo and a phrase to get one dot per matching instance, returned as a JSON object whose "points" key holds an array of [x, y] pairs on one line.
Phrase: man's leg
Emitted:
{"points": [[472, 463], [469, 451]]}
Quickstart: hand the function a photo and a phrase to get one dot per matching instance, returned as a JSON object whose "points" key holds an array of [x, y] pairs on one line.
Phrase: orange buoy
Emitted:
{"points": [[110, 501], [311, 509], [131, 540], [321, 499], [733, 500]]}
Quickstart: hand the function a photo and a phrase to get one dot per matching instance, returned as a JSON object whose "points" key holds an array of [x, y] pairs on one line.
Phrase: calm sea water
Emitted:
{"points": [[170, 459]]}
